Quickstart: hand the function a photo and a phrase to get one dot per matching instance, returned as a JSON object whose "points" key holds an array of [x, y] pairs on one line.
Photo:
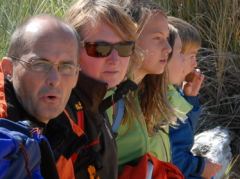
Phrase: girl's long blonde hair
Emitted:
{"points": [[152, 92]]}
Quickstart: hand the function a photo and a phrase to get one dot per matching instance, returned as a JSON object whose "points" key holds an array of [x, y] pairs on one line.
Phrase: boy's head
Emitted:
{"points": [[191, 42]]}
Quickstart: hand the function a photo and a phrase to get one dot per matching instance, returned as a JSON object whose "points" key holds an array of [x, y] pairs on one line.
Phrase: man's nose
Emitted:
{"points": [[53, 77]]}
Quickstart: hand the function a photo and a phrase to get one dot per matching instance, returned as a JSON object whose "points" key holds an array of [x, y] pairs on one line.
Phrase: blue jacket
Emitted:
{"points": [[181, 140], [20, 154]]}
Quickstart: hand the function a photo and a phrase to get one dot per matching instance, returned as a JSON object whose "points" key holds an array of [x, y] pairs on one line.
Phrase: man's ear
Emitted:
{"points": [[7, 66]]}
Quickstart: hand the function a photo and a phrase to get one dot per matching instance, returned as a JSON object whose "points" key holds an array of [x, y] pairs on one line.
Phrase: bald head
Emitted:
{"points": [[43, 66], [37, 28]]}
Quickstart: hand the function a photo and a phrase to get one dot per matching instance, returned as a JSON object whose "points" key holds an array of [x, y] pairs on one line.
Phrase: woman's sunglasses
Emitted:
{"points": [[103, 49]]}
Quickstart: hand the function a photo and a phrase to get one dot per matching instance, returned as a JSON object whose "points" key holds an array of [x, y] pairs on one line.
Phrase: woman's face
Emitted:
{"points": [[175, 65], [110, 69], [154, 42]]}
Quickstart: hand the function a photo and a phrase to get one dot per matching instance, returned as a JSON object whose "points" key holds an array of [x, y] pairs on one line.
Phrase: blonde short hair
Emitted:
{"points": [[85, 13], [189, 35]]}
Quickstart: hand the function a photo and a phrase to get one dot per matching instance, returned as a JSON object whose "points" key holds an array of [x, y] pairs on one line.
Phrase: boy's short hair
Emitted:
{"points": [[189, 34]]}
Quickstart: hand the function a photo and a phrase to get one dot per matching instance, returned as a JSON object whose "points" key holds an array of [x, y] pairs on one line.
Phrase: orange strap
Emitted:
{"points": [[3, 103], [65, 168], [77, 129], [80, 121]]}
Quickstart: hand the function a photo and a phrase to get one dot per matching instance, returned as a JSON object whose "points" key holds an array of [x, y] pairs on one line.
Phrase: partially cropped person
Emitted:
{"points": [[107, 41], [142, 132], [37, 76], [187, 81]]}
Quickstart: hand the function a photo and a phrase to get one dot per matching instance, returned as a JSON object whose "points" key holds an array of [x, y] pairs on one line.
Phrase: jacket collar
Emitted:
{"points": [[15, 111], [90, 91]]}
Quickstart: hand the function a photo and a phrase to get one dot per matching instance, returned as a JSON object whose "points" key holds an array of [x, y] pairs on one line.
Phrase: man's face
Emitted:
{"points": [[44, 95], [154, 42]]}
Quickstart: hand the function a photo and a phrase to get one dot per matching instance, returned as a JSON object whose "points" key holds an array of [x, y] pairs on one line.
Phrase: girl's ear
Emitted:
{"points": [[7, 66]]}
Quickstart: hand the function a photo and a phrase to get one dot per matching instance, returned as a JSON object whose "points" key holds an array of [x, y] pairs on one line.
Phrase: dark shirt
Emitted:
{"points": [[97, 148]]}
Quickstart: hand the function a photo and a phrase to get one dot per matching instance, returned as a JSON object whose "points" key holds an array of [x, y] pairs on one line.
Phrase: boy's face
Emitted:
{"points": [[190, 60], [175, 65]]}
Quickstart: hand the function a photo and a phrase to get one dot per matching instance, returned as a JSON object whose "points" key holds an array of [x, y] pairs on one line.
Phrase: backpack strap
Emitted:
{"points": [[117, 98], [149, 169], [119, 115], [122, 90]]}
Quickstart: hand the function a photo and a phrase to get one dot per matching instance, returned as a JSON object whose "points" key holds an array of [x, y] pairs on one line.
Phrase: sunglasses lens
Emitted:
{"points": [[98, 49], [125, 49], [103, 49]]}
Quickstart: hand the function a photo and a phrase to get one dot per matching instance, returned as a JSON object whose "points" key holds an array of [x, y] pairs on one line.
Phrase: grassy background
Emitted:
{"points": [[219, 24], [13, 12]]}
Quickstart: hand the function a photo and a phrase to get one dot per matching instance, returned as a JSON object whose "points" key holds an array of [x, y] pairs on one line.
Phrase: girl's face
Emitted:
{"points": [[175, 65], [111, 68], [154, 42]]}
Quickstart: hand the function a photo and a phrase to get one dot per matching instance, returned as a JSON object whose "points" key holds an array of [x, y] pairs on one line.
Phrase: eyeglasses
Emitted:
{"points": [[104, 49], [43, 66]]}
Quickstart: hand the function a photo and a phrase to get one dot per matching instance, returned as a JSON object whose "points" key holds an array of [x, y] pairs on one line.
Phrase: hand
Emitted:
{"points": [[193, 83], [210, 169]]}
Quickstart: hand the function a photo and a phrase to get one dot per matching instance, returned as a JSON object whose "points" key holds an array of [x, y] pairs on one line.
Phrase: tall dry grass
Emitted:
{"points": [[13, 12], [233, 171]]}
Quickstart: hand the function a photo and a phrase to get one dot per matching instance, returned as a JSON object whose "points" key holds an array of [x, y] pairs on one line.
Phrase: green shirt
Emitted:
{"points": [[134, 141], [179, 104]]}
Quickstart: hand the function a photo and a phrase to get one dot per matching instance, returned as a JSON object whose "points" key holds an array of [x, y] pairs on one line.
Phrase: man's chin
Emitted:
{"points": [[49, 115]]}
